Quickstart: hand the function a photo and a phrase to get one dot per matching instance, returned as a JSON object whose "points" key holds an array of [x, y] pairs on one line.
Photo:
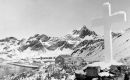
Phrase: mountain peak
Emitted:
{"points": [[84, 31], [7, 39], [116, 35], [41, 37]]}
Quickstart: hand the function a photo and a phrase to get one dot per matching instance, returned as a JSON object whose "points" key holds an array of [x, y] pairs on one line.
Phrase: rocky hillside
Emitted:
{"points": [[84, 43]]}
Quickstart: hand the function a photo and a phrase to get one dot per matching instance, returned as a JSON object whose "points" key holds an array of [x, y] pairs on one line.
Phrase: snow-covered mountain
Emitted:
{"points": [[84, 43]]}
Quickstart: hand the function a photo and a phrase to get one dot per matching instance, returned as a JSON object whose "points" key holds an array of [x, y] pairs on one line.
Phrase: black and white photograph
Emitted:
{"points": [[64, 39]]}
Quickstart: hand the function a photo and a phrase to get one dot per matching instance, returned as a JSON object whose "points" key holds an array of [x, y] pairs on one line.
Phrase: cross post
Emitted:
{"points": [[106, 21]]}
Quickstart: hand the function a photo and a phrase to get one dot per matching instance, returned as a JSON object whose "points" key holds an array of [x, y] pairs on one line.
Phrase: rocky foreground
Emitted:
{"points": [[73, 72]]}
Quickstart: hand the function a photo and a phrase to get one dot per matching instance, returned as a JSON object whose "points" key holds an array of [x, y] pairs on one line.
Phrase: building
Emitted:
{"points": [[62, 59]]}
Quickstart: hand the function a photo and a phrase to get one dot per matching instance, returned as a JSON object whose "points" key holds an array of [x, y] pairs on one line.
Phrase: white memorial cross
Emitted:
{"points": [[106, 21]]}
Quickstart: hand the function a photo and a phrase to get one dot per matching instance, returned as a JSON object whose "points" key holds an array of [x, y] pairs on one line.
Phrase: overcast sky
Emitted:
{"points": [[23, 18]]}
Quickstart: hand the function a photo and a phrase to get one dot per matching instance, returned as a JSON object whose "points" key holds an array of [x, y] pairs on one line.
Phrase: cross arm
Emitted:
{"points": [[117, 18]]}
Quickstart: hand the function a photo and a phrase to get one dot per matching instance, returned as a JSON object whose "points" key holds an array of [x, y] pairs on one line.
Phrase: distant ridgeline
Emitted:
{"points": [[83, 43]]}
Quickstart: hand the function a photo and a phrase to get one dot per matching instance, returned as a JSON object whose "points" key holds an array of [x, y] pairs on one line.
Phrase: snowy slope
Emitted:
{"points": [[84, 43], [121, 46]]}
